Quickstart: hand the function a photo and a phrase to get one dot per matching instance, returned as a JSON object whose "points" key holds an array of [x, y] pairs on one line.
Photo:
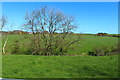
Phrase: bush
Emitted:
{"points": [[103, 50], [16, 48], [114, 50], [91, 53], [99, 51]]}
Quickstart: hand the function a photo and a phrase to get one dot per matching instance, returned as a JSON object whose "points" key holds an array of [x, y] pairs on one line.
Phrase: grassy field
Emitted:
{"points": [[87, 43], [28, 66], [31, 66]]}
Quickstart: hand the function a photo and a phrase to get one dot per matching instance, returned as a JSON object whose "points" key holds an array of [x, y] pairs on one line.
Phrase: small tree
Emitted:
{"points": [[3, 21], [52, 21]]}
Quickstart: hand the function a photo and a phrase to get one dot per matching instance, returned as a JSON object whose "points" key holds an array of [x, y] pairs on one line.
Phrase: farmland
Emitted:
{"points": [[80, 66], [84, 45], [45, 40]]}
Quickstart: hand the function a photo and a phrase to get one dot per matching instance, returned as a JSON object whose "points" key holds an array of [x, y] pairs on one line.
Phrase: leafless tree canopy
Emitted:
{"points": [[3, 21], [54, 22], [49, 19]]}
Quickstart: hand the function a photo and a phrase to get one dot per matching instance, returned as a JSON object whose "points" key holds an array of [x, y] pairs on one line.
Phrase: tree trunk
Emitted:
{"points": [[4, 45]]}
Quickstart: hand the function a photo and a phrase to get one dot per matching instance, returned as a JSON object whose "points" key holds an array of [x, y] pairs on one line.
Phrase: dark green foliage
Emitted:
{"points": [[91, 53], [15, 47]]}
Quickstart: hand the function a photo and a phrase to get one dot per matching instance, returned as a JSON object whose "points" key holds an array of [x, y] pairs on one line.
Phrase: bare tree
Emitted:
{"points": [[3, 21], [53, 21]]}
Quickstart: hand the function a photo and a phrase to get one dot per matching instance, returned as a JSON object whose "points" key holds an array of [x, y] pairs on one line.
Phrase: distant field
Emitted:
{"points": [[87, 43], [29, 66]]}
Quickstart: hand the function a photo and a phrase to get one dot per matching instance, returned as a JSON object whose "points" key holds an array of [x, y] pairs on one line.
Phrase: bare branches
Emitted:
{"points": [[52, 21], [3, 21]]}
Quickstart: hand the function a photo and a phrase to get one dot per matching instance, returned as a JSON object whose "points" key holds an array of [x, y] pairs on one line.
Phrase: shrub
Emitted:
{"points": [[16, 48], [91, 53], [99, 51], [103, 50], [114, 50]]}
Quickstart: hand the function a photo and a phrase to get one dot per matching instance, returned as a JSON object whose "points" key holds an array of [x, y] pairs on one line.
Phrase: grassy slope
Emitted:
{"points": [[28, 66], [86, 44], [89, 42]]}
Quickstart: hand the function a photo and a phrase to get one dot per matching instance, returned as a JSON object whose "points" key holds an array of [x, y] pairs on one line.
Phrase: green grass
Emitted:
{"points": [[29, 66], [89, 42], [86, 44]]}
